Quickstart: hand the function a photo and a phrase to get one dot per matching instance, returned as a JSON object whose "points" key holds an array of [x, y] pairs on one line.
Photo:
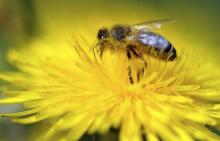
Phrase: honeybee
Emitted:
{"points": [[137, 39]]}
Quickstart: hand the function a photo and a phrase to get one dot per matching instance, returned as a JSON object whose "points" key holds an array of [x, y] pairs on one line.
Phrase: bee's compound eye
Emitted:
{"points": [[103, 33]]}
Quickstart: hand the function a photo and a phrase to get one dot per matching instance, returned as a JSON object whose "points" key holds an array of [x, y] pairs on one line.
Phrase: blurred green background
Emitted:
{"points": [[22, 21]]}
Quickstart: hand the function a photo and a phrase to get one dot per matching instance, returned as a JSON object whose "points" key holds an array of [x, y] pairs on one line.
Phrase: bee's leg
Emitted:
{"points": [[129, 54], [130, 75], [98, 51], [101, 50], [140, 72], [129, 68], [139, 56], [94, 49]]}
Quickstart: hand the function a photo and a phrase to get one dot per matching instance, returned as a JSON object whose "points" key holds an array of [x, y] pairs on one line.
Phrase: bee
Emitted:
{"points": [[137, 39]]}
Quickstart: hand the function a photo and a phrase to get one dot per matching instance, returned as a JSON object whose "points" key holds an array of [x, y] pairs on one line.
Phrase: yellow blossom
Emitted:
{"points": [[67, 87]]}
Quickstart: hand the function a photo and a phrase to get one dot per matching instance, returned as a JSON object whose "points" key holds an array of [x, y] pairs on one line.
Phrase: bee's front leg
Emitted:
{"points": [[95, 50], [98, 50]]}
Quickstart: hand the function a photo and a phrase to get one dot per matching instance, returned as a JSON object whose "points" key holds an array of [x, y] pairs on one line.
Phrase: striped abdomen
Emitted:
{"points": [[157, 45]]}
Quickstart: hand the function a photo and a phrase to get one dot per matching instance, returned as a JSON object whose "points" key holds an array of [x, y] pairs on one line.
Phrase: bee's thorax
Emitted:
{"points": [[119, 32]]}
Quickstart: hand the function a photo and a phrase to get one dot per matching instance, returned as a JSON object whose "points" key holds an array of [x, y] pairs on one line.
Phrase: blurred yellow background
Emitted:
{"points": [[196, 26]]}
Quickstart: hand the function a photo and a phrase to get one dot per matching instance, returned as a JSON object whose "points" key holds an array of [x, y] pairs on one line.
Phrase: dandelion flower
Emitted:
{"points": [[77, 94]]}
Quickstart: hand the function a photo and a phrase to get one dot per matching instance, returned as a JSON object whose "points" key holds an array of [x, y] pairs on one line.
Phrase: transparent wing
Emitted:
{"points": [[153, 24]]}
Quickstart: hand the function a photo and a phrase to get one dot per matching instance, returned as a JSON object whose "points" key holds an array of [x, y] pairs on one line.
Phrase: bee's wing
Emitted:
{"points": [[152, 24]]}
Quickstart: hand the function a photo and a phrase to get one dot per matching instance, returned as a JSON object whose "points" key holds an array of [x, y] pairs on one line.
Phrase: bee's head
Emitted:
{"points": [[119, 32], [103, 33]]}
